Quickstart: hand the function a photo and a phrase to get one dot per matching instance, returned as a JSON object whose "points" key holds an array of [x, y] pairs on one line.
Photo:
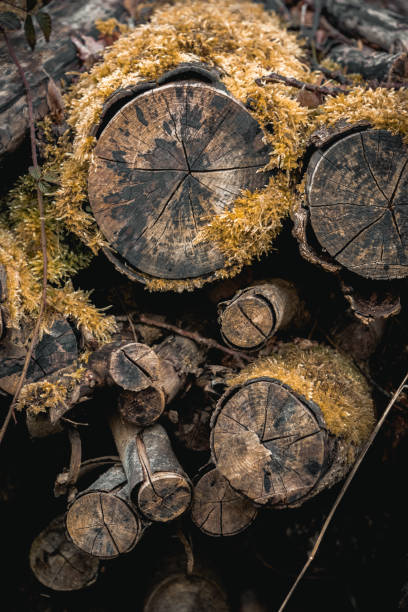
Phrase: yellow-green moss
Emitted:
{"points": [[326, 377]]}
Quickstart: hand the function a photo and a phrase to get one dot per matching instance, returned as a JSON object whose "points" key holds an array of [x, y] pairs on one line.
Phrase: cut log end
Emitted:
{"points": [[173, 157], [142, 408], [182, 593], [357, 193], [57, 563], [134, 366], [103, 525], [217, 509], [164, 497], [269, 442], [247, 322]]}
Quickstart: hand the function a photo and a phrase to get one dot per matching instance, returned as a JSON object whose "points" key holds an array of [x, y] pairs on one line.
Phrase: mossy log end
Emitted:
{"points": [[57, 563], [256, 313], [171, 159], [357, 191], [272, 445], [158, 485], [102, 521], [217, 509]]}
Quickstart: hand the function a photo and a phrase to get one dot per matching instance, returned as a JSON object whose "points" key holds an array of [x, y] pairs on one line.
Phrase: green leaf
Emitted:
{"points": [[9, 21], [51, 178], [30, 4], [44, 21], [43, 187], [35, 172], [29, 31]]}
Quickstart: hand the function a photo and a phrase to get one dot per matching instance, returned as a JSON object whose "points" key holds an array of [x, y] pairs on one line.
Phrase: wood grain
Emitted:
{"points": [[165, 164], [357, 190]]}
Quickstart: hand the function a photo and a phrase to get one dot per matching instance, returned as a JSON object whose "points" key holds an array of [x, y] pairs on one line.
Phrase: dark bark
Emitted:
{"points": [[372, 65]]}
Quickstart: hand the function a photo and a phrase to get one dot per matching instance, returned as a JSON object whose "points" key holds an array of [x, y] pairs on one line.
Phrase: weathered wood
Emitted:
{"points": [[256, 313], [158, 485], [55, 59], [357, 193], [384, 28], [186, 593], [165, 369], [57, 563], [56, 350], [171, 159], [102, 520], [372, 65], [217, 509], [270, 443]]}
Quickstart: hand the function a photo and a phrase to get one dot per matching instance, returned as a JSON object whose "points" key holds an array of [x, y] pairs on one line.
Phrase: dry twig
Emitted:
{"points": [[40, 201], [274, 77], [343, 491]]}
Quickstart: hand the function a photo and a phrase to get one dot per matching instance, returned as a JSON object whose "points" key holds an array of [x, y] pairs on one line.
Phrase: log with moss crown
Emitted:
{"points": [[291, 424], [255, 314], [168, 161], [102, 520], [357, 195], [158, 485]]}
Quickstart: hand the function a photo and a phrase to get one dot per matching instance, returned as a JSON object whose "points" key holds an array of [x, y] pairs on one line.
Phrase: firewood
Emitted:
{"points": [[164, 371], [372, 65], [173, 157], [158, 485], [217, 509], [186, 593], [57, 563], [384, 28], [102, 520], [255, 314], [356, 194], [276, 446]]}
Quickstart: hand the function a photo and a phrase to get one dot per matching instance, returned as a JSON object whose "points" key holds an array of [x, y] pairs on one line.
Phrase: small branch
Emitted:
{"points": [[335, 75], [274, 77], [343, 491], [196, 337], [40, 201]]}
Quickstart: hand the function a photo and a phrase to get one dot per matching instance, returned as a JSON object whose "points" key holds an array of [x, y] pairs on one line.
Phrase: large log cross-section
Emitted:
{"points": [[170, 160]]}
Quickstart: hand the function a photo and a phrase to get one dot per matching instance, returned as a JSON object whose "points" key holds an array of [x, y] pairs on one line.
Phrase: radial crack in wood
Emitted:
{"points": [[269, 442], [165, 164], [357, 191]]}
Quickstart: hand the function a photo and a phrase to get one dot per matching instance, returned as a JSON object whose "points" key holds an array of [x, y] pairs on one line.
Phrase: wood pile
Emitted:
{"points": [[212, 412]]}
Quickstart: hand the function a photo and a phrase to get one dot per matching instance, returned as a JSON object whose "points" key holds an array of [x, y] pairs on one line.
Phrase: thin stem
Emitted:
{"points": [[43, 236], [194, 336], [343, 491], [274, 77]]}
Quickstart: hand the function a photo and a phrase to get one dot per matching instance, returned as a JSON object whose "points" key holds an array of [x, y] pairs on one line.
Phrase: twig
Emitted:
{"points": [[40, 201], [194, 336], [335, 75], [343, 491], [274, 77]]}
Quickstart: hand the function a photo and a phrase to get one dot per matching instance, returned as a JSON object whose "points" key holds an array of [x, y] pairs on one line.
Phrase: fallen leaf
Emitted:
{"points": [[55, 101], [310, 99], [88, 49]]}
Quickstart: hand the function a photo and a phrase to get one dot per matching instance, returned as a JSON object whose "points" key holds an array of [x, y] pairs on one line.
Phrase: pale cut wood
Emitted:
{"points": [[158, 485], [57, 563], [217, 509], [166, 163], [102, 521], [357, 190], [256, 313], [270, 443]]}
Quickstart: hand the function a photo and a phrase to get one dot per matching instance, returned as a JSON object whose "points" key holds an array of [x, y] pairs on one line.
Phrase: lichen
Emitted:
{"points": [[326, 377]]}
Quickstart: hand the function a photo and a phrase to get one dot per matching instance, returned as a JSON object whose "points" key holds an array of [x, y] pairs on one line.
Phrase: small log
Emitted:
{"points": [[55, 59], [187, 593], [102, 521], [217, 509], [372, 65], [164, 373], [386, 29], [356, 190], [158, 485], [56, 350], [57, 563], [256, 313], [173, 157]]}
